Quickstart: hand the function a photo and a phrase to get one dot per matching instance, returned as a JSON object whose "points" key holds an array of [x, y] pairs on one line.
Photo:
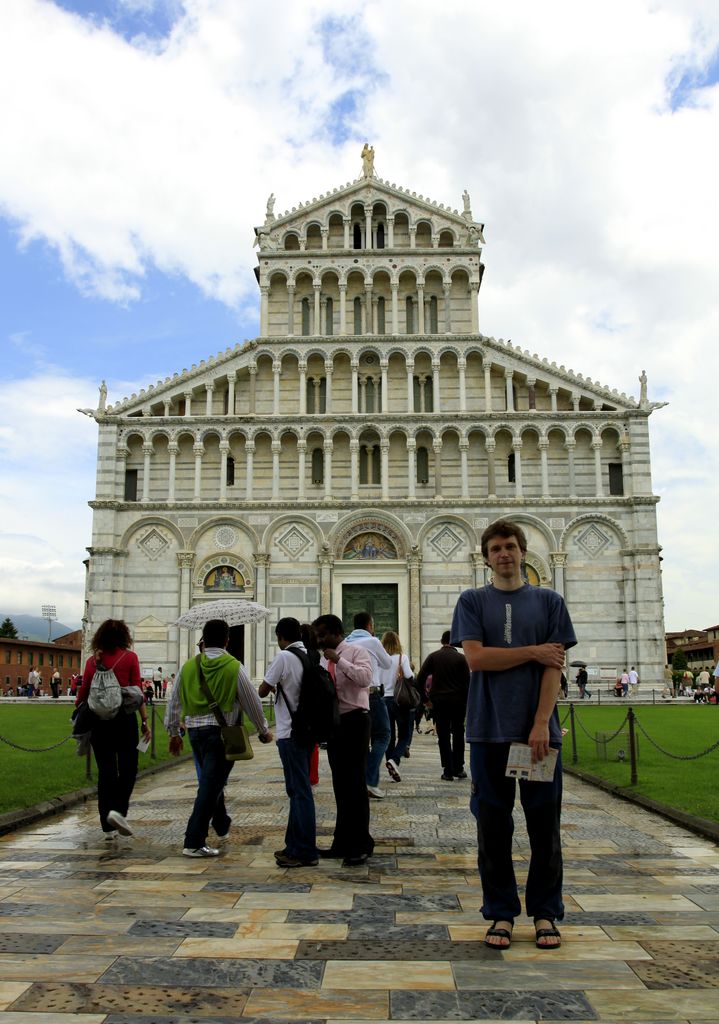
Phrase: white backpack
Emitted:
{"points": [[105, 698]]}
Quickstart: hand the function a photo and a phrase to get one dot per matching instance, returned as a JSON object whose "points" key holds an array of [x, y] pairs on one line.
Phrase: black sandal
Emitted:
{"points": [[547, 933], [502, 933]]}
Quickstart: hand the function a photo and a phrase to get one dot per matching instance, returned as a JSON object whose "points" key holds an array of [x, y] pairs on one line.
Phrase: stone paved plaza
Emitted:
{"points": [[133, 933]]}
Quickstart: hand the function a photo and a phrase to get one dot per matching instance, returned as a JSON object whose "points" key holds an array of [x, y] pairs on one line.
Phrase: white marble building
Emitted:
{"points": [[352, 454]]}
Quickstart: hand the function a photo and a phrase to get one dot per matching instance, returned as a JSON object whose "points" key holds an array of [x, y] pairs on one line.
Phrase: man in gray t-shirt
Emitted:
{"points": [[514, 636]]}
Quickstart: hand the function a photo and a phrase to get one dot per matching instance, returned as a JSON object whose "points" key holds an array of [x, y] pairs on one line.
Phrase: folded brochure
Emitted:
{"points": [[519, 764]]}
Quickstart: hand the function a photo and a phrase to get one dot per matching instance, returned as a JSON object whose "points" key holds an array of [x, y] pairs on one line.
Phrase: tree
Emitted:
{"points": [[679, 665], [7, 628]]}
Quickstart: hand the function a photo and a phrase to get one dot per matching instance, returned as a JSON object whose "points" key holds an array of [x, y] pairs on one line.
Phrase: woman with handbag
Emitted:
{"points": [[400, 697], [114, 740]]}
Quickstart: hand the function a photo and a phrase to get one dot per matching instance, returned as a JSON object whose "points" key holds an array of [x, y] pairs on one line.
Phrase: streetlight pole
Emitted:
{"points": [[49, 612]]}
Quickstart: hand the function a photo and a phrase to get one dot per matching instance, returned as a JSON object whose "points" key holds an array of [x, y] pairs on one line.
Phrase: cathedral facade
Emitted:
{"points": [[350, 457]]}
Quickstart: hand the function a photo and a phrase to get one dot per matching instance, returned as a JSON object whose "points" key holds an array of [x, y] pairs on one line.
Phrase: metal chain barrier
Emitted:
{"points": [[592, 737], [667, 753], [34, 750]]}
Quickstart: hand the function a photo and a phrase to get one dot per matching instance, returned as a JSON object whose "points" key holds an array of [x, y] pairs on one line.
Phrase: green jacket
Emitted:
{"points": [[221, 678]]}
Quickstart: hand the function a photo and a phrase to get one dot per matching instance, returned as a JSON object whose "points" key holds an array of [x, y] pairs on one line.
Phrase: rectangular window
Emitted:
{"points": [[50, 660], [30, 657], [8, 657], [59, 661], [130, 485], [230, 474], [41, 658], [616, 478], [19, 657]]}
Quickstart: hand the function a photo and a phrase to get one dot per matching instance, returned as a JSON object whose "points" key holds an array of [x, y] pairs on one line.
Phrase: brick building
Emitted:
{"points": [[18, 657]]}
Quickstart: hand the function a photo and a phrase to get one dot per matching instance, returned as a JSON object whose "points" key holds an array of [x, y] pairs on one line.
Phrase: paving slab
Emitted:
{"points": [[131, 932]]}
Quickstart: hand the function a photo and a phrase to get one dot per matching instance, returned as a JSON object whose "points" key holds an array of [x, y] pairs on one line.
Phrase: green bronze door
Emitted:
{"points": [[379, 599]]}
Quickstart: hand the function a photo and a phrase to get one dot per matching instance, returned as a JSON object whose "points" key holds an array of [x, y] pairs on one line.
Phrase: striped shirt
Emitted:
{"points": [[247, 701]]}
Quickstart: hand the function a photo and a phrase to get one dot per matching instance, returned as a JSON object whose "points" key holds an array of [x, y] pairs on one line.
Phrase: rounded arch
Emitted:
{"points": [[370, 521], [594, 517], [204, 433], [291, 241], [447, 517], [147, 521], [534, 521], [224, 520]]}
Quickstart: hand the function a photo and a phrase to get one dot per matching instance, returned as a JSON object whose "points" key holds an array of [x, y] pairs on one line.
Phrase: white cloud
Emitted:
{"points": [[599, 198]]}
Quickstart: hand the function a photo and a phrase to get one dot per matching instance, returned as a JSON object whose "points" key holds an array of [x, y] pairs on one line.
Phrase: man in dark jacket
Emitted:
{"points": [[448, 690]]}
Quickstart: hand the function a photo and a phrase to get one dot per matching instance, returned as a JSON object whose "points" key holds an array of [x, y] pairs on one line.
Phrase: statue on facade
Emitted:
{"points": [[103, 397], [467, 211], [643, 388], [270, 211], [368, 160]]}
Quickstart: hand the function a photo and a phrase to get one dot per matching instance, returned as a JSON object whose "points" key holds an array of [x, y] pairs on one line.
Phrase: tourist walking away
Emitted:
{"points": [[401, 719], [230, 687], [448, 674], [514, 636], [633, 682], [625, 683], [363, 634], [114, 740], [157, 682], [55, 684], [350, 666], [284, 678], [582, 681]]}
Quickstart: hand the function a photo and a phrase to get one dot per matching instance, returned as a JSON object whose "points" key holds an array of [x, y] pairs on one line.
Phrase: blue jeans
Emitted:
{"points": [[209, 751], [400, 729], [301, 831], [379, 737], [491, 803]]}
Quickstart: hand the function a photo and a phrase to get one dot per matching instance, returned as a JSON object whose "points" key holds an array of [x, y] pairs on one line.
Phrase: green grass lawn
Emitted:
{"points": [[684, 729], [31, 778]]}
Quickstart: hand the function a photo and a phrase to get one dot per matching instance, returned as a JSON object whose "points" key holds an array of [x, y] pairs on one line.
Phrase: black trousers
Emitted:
{"points": [[347, 755], [114, 743], [449, 723]]}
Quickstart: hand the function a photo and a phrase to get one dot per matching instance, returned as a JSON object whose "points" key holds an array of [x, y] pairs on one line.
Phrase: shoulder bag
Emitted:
{"points": [[235, 737]]}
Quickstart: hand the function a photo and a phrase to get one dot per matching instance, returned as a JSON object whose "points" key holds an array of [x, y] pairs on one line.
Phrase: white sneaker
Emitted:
{"points": [[224, 838], [394, 771], [376, 792], [201, 851], [120, 823]]}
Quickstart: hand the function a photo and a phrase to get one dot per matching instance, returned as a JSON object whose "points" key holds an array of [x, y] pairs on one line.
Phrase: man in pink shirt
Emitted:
{"points": [[351, 668]]}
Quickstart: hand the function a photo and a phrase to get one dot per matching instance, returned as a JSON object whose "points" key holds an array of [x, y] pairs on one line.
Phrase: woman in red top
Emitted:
{"points": [[114, 741]]}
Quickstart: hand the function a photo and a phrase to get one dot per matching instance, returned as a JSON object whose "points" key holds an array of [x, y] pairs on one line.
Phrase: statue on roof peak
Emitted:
{"points": [[368, 160]]}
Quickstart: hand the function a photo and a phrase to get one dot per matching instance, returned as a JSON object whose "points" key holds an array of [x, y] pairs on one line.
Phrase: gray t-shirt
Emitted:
{"points": [[501, 705]]}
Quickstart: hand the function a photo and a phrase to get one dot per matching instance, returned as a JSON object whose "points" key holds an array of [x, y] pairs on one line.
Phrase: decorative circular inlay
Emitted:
{"points": [[225, 537]]}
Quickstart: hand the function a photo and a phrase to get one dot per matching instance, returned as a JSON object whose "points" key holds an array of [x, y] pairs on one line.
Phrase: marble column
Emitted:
{"points": [[543, 454], [185, 562], [410, 389], [464, 458], [570, 446], [231, 378], [384, 388], [249, 469], [199, 451], [343, 309], [290, 310], [262, 562], [252, 368], [172, 450], [264, 310], [437, 446], [558, 561], [326, 562], [188, 403], [508, 375], [473, 297], [166, 407], [328, 448], [346, 224], [368, 228], [436, 407], [363, 394], [384, 457], [446, 289], [316, 384], [147, 451], [517, 449], [462, 370], [301, 468], [420, 308], [413, 236], [531, 392], [302, 368], [275, 448], [598, 486], [325, 232], [276, 371], [354, 469], [224, 452], [478, 568], [553, 397], [390, 231], [354, 365], [491, 447], [414, 563], [487, 387], [368, 308], [395, 307], [411, 467], [328, 385], [627, 484], [209, 389], [318, 315]]}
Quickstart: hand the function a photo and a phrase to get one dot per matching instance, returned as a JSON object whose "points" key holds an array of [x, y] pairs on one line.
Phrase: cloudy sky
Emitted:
{"points": [[141, 139]]}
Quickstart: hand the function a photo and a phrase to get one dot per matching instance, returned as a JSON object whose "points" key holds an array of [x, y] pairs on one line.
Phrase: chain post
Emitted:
{"points": [[153, 752], [574, 734], [632, 746]]}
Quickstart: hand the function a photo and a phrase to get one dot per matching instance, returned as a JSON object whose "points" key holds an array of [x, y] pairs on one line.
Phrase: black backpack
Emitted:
{"points": [[317, 717]]}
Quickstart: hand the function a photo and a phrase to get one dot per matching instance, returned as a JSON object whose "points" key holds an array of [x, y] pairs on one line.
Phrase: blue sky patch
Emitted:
{"points": [[132, 19], [685, 83]]}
